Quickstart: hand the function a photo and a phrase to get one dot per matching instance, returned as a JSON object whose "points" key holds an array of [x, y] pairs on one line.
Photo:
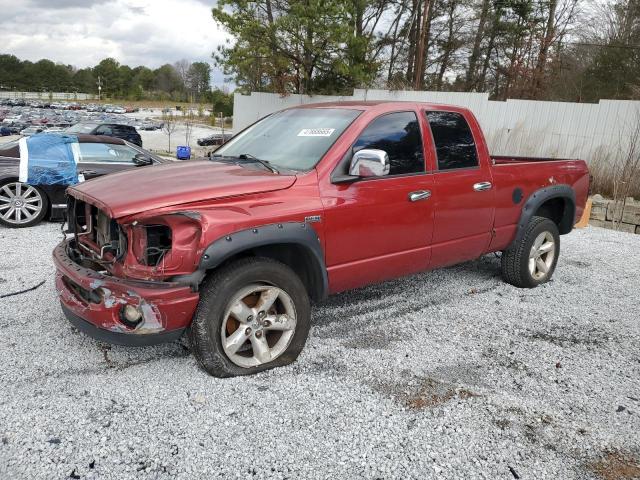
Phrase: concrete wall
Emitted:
{"points": [[627, 217], [515, 127], [48, 96]]}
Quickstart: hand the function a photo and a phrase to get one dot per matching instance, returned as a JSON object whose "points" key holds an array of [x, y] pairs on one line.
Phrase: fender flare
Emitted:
{"points": [[296, 233], [539, 197]]}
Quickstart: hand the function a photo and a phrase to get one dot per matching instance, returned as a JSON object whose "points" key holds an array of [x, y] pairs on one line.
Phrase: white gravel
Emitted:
{"points": [[449, 374]]}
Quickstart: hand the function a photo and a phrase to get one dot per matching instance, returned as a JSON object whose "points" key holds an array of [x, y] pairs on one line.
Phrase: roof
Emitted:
{"points": [[83, 138], [375, 105]]}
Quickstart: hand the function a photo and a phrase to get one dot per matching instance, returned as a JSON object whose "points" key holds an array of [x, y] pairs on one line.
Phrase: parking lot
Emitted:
{"points": [[449, 374]]}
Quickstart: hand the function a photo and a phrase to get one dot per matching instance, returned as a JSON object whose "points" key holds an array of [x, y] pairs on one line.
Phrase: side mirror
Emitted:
{"points": [[141, 160], [369, 163]]}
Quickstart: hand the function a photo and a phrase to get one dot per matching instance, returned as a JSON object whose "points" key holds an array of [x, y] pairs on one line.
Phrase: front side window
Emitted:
{"points": [[106, 152], [398, 134], [453, 139], [292, 139], [103, 130]]}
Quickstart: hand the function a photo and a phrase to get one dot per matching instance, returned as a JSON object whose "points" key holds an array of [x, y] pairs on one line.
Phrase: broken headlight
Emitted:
{"points": [[151, 243]]}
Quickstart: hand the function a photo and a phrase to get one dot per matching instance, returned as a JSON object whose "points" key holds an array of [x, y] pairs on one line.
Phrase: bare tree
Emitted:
{"points": [[626, 172], [189, 120], [169, 124]]}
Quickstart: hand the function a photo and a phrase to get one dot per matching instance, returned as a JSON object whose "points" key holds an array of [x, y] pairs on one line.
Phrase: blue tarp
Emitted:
{"points": [[50, 159]]}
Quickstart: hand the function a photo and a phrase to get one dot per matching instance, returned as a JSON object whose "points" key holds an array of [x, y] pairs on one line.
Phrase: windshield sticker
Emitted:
{"points": [[316, 132]]}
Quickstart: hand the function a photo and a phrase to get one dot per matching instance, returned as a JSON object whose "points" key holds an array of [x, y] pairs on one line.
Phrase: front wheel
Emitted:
{"points": [[532, 260], [21, 205], [254, 314]]}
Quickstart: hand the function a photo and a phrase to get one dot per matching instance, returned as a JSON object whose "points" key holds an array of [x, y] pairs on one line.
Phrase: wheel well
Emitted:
{"points": [[300, 259], [560, 211]]}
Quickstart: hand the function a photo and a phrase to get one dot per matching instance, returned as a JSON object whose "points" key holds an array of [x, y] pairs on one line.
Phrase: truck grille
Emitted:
{"points": [[94, 230]]}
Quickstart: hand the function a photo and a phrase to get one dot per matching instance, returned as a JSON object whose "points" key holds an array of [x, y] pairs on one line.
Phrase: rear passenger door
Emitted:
{"points": [[463, 191]]}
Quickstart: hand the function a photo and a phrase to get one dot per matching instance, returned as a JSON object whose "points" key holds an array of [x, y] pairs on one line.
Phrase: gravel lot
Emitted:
{"points": [[449, 374]]}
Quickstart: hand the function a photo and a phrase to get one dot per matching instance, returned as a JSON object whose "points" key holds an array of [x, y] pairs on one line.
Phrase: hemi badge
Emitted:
{"points": [[312, 219]]}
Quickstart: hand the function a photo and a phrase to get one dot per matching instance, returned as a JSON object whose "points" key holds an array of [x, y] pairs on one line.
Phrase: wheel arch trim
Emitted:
{"points": [[300, 234], [540, 197]]}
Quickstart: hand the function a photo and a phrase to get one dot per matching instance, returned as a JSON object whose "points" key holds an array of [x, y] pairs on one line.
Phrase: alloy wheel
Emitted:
{"points": [[19, 203], [258, 325], [541, 256]]}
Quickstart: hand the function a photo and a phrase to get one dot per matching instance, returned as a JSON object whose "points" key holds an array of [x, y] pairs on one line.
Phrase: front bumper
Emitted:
{"points": [[93, 303]]}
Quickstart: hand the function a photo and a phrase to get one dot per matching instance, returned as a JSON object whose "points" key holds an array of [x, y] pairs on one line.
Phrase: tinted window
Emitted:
{"points": [[398, 134], [103, 130], [106, 152], [454, 142]]}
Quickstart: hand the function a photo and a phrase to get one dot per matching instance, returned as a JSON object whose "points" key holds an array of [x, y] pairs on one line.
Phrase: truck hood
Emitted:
{"points": [[147, 188]]}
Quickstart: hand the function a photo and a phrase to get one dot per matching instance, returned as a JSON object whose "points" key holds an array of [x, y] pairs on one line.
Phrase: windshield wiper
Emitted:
{"points": [[247, 157], [264, 163]]}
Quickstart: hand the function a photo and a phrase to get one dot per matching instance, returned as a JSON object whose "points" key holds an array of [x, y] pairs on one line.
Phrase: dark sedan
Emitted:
{"points": [[125, 132], [215, 139], [24, 205]]}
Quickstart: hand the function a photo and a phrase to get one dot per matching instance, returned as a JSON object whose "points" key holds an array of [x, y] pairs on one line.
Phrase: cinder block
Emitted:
{"points": [[622, 227], [631, 214], [638, 230], [599, 212], [610, 211]]}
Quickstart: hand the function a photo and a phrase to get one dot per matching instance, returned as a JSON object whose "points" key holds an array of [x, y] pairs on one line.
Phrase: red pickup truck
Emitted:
{"points": [[304, 203]]}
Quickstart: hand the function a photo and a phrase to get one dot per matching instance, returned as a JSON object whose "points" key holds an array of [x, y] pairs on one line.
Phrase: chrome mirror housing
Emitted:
{"points": [[369, 163]]}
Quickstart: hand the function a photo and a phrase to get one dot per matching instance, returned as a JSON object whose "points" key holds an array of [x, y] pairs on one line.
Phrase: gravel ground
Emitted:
{"points": [[449, 374]]}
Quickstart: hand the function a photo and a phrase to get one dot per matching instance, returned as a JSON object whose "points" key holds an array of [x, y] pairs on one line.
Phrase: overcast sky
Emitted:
{"points": [[134, 32]]}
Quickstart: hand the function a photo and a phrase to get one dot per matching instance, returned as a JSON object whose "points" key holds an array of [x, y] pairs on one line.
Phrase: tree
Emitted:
{"points": [[198, 79], [169, 124], [108, 71]]}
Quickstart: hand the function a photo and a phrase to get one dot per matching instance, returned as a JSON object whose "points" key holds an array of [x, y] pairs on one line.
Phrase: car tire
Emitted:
{"points": [[33, 207], [532, 260], [231, 331]]}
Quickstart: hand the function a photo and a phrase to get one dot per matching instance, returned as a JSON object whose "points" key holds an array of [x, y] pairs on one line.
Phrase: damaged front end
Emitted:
{"points": [[114, 280]]}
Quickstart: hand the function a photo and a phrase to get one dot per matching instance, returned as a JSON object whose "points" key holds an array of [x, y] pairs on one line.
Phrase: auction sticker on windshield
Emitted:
{"points": [[316, 132]]}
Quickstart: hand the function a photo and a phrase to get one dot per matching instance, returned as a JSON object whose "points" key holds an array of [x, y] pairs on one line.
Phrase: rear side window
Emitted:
{"points": [[106, 152], [453, 139], [398, 134]]}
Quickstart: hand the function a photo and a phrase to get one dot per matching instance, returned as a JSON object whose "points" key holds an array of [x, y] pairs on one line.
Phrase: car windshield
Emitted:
{"points": [[82, 128], [292, 139]]}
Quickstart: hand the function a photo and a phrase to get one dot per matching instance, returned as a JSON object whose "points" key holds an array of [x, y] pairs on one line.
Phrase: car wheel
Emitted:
{"points": [[21, 205], [532, 260], [253, 315]]}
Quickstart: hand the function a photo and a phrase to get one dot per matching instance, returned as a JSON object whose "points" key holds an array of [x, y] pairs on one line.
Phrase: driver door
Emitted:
{"points": [[381, 227]]}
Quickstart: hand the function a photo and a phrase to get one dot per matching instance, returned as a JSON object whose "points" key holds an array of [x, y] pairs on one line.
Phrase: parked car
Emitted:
{"points": [[307, 202], [125, 132], [215, 139], [24, 205], [5, 131], [32, 130]]}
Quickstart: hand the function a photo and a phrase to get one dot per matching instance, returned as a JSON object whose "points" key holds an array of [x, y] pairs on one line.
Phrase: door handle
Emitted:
{"points": [[88, 172], [419, 195], [482, 186]]}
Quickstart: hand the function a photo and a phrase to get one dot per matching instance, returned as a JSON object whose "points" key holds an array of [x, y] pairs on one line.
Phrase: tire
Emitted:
{"points": [[525, 268], [21, 205], [245, 285]]}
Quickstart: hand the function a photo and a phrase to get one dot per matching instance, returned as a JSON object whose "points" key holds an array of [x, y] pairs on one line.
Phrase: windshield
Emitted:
{"points": [[292, 139], [82, 128]]}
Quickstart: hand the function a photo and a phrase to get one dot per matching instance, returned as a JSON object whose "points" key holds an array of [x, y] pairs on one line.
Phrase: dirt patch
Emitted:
{"points": [[616, 466], [433, 392], [592, 338]]}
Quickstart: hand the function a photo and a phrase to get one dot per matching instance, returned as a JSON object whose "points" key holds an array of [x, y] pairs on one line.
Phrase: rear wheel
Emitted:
{"points": [[21, 205], [253, 315], [532, 260]]}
